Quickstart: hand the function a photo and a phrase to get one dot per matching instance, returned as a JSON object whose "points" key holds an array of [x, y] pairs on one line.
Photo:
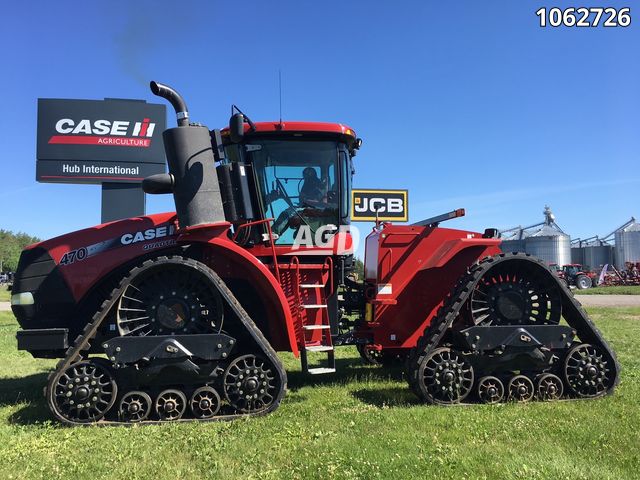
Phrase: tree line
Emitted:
{"points": [[11, 244]]}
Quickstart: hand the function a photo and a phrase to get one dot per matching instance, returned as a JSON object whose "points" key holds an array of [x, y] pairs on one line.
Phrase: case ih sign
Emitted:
{"points": [[96, 141], [383, 205]]}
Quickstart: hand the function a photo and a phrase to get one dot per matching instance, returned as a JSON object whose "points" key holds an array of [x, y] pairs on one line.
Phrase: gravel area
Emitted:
{"points": [[609, 300]]}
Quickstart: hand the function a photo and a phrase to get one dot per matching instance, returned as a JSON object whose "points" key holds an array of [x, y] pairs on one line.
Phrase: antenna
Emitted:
{"points": [[280, 87]]}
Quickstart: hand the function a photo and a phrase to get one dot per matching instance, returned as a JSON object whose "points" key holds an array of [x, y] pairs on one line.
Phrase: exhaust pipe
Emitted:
{"points": [[175, 99], [192, 170]]}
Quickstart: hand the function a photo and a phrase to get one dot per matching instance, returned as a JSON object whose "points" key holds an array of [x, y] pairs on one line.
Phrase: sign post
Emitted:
{"points": [[114, 143]]}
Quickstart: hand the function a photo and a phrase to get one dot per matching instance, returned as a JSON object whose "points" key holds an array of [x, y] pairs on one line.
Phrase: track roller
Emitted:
{"points": [[520, 388], [205, 402], [490, 390], [135, 406], [549, 387], [587, 371], [170, 404]]}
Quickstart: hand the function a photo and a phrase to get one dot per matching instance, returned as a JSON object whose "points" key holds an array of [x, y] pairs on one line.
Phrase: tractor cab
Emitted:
{"points": [[296, 173]]}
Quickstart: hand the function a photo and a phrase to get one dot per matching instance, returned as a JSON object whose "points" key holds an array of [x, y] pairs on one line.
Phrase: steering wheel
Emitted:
{"points": [[282, 192]]}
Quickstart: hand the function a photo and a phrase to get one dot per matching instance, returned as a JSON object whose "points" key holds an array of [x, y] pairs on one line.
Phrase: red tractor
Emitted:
{"points": [[178, 316], [574, 275]]}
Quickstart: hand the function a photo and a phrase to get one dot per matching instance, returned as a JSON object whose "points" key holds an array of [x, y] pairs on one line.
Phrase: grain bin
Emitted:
{"points": [[627, 243]]}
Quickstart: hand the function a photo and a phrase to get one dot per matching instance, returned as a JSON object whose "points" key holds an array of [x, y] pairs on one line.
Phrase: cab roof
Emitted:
{"points": [[294, 127]]}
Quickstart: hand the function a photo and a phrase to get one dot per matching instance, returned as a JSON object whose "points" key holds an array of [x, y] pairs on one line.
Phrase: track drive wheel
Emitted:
{"points": [[520, 388], [490, 390], [549, 387], [515, 293], [444, 377], [586, 371], [250, 384], [205, 402], [135, 406], [84, 392], [170, 404]]}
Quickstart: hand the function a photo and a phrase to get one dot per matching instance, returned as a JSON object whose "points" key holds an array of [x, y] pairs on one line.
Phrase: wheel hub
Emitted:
{"points": [[173, 313], [82, 393], [511, 305]]}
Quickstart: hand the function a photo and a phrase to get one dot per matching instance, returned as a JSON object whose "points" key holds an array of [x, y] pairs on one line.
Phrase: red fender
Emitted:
{"points": [[229, 259]]}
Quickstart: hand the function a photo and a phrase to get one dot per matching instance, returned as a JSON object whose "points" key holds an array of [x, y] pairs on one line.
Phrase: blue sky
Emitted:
{"points": [[467, 104]]}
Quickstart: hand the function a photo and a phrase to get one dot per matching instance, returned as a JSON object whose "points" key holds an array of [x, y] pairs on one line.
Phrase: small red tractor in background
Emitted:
{"points": [[574, 275], [178, 316]]}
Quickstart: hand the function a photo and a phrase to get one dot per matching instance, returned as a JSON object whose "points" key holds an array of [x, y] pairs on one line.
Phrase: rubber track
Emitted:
{"points": [[83, 342], [572, 312]]}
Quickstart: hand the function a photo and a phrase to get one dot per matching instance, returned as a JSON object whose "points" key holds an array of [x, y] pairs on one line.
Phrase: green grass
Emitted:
{"points": [[613, 290], [362, 423], [5, 295]]}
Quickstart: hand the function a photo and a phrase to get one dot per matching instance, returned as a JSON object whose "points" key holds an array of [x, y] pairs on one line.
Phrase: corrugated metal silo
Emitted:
{"points": [[627, 244], [577, 255], [550, 244], [545, 240], [595, 256]]}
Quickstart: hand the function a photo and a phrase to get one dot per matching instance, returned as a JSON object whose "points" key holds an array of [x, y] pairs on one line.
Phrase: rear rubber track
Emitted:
{"points": [[572, 311]]}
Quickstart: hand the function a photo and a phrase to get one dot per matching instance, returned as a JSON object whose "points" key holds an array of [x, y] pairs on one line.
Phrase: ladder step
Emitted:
{"points": [[318, 348], [316, 327], [311, 285], [321, 370], [315, 306]]}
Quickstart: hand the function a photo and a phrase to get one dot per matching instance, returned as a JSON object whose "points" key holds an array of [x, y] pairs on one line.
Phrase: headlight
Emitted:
{"points": [[25, 298]]}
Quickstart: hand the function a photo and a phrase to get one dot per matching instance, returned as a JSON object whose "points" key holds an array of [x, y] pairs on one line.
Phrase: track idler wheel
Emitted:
{"points": [[520, 388], [586, 371], [135, 406], [170, 404], [549, 387], [369, 355], [250, 384], [445, 377], [490, 390], [205, 402], [84, 392]]}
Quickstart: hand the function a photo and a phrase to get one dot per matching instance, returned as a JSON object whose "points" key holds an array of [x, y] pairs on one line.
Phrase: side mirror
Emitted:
{"points": [[236, 127]]}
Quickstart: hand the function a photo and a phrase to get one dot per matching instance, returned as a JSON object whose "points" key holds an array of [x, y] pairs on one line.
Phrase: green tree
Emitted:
{"points": [[359, 268], [11, 244]]}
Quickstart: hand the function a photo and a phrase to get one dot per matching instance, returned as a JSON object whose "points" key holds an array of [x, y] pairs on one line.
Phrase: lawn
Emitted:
{"points": [[613, 290], [5, 295], [362, 423]]}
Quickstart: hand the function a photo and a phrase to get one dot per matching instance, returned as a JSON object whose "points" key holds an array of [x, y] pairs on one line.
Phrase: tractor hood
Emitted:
{"points": [[55, 275]]}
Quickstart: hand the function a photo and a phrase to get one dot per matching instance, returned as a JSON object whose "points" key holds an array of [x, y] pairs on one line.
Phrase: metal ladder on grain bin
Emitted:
{"points": [[311, 285]]}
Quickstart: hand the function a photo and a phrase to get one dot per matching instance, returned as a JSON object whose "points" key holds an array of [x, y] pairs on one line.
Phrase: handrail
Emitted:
{"points": [[266, 221], [328, 262]]}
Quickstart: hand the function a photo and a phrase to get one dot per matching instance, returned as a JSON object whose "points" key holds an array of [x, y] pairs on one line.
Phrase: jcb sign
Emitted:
{"points": [[385, 205]]}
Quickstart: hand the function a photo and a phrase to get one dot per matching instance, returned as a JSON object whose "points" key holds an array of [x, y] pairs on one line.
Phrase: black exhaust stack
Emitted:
{"points": [[192, 173]]}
